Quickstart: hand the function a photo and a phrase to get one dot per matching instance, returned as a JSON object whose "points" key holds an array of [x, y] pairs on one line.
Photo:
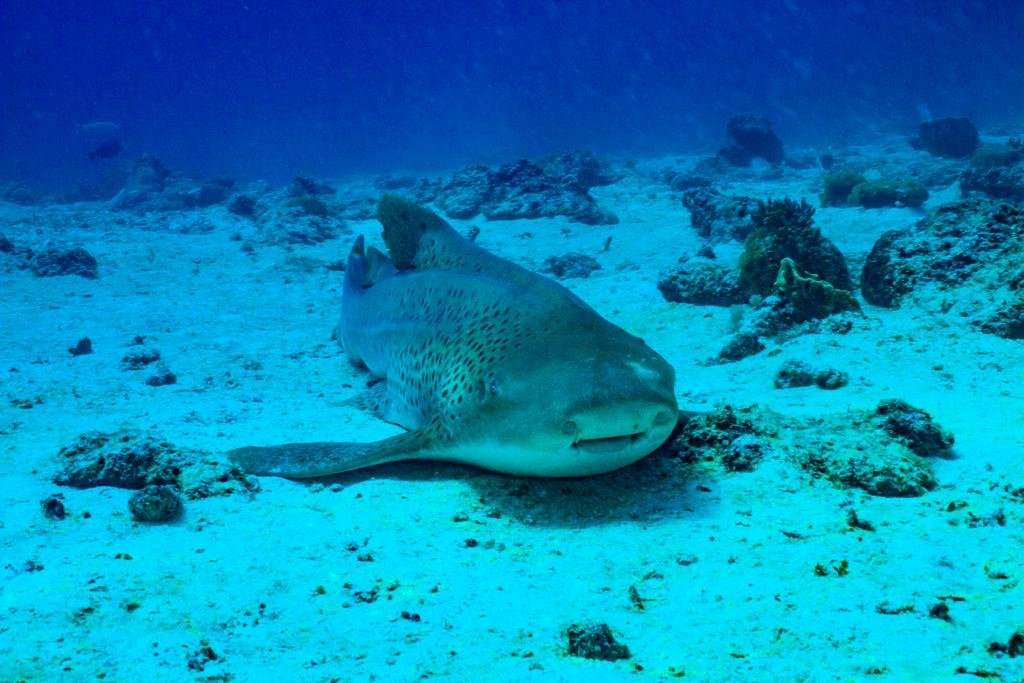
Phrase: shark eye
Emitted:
{"points": [[569, 427], [489, 387]]}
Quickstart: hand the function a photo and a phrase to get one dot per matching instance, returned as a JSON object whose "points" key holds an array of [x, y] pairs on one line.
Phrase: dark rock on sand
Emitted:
{"points": [[294, 218], [571, 265], [464, 194], [831, 379], [209, 192], [156, 503], [595, 641], [146, 181], [779, 317], [745, 453], [913, 427], [55, 262], [242, 205], [161, 377], [703, 283], [133, 459], [877, 451], [152, 187], [53, 507], [948, 137], [996, 171], [139, 357], [968, 241], [1005, 319], [718, 217], [127, 459], [82, 347], [581, 168], [849, 449], [681, 182], [741, 345], [520, 189], [798, 373], [794, 373], [751, 137]]}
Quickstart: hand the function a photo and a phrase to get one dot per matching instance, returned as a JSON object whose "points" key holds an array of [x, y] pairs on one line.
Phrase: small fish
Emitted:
{"points": [[106, 150]]}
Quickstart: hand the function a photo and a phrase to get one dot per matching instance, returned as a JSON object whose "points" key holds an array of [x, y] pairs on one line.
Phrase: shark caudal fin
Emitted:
{"points": [[320, 459]]}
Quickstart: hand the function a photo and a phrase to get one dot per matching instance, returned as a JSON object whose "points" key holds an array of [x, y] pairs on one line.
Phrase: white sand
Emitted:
{"points": [[726, 594]]}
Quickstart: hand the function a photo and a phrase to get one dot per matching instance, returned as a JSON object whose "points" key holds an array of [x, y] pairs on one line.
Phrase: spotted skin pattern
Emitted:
{"points": [[485, 363]]}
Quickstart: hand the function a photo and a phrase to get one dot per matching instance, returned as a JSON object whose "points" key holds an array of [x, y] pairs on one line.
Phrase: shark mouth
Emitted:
{"points": [[611, 444]]}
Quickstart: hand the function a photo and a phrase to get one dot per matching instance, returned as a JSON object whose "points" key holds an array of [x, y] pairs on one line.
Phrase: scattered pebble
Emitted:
{"points": [[744, 453], [595, 641], [139, 357], [157, 503], [571, 265], [82, 347], [914, 428], [163, 376], [797, 373], [57, 262], [53, 507]]}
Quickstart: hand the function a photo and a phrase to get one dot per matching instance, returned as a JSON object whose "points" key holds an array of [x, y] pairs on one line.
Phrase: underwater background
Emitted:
{"points": [[274, 89], [812, 211]]}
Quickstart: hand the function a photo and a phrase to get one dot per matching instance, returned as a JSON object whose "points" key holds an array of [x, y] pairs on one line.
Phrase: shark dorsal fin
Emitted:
{"points": [[415, 236], [419, 239]]}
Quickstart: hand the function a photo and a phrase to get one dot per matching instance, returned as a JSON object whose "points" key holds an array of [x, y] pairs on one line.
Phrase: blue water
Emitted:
{"points": [[271, 89]]}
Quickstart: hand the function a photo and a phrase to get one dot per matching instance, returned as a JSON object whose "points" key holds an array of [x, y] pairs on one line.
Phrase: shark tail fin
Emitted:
{"points": [[366, 265], [324, 458]]}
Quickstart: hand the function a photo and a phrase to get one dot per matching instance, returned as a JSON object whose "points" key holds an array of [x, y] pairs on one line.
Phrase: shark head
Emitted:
{"points": [[571, 405]]}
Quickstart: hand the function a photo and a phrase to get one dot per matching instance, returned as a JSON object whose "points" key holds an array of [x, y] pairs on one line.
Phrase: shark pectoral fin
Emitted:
{"points": [[373, 400], [320, 459]]}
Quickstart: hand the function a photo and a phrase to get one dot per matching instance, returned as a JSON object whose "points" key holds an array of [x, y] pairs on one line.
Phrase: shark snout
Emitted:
{"points": [[621, 420]]}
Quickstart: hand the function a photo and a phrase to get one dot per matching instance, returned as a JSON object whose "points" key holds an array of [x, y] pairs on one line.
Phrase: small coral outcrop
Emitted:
{"points": [[571, 265], [701, 282], [595, 641], [996, 171], [878, 194], [136, 460], [751, 137], [809, 295], [849, 188], [884, 452], [785, 229], [968, 242], [955, 138], [525, 189], [839, 185], [719, 217]]}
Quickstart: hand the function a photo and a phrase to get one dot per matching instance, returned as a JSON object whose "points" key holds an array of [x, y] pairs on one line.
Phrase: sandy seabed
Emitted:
{"points": [[424, 570]]}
